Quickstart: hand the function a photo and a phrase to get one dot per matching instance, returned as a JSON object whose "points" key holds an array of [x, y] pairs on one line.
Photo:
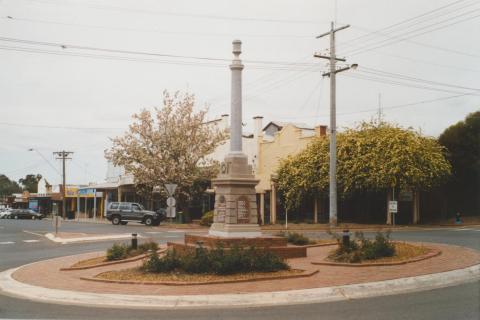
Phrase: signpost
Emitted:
{"points": [[56, 218], [171, 202], [393, 209]]}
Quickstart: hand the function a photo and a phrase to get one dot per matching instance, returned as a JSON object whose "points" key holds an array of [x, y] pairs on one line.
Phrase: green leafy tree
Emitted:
{"points": [[462, 141], [170, 145], [7, 186], [374, 156], [30, 182]]}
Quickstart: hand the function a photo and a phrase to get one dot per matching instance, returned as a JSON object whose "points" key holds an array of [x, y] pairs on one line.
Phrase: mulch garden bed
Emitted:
{"points": [[102, 261], [137, 276], [404, 253]]}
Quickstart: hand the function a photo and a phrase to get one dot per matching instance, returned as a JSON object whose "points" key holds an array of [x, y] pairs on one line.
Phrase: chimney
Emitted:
{"points": [[321, 130], [257, 126], [225, 124]]}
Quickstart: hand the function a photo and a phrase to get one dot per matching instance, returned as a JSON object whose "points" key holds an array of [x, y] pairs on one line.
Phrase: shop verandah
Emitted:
{"points": [[89, 202]]}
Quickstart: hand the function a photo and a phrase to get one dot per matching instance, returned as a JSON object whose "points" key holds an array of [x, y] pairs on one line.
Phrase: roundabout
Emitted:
{"points": [[326, 283]]}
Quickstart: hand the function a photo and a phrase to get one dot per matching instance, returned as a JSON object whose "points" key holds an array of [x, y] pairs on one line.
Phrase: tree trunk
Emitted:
{"points": [[389, 215], [416, 207]]}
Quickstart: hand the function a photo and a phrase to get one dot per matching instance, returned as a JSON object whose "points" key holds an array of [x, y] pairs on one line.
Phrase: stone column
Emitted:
{"points": [[236, 100], [273, 205], [262, 207], [235, 213]]}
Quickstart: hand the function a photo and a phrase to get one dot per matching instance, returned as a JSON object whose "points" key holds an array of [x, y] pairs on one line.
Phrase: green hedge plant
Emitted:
{"points": [[216, 261]]}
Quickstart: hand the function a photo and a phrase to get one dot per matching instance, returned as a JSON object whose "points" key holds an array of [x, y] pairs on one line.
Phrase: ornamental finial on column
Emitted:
{"points": [[237, 48]]}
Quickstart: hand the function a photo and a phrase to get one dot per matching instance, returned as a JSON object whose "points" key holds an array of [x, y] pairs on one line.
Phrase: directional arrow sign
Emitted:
{"points": [[170, 188]]}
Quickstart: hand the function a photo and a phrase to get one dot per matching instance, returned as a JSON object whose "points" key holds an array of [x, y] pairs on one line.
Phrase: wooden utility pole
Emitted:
{"points": [[333, 119], [63, 155]]}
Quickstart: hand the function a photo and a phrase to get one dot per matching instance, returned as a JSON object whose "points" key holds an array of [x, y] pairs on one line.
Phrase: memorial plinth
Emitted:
{"points": [[235, 212], [235, 219]]}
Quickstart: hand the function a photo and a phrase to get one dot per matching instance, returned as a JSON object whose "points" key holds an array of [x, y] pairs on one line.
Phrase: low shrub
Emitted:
{"points": [[146, 246], [363, 249], [207, 219], [117, 252], [379, 248], [297, 239], [216, 261], [123, 251]]}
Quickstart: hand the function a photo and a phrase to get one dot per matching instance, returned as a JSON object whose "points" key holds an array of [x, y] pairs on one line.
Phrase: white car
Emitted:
{"points": [[5, 213]]}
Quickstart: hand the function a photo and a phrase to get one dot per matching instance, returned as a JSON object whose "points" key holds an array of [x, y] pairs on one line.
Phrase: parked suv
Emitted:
{"points": [[122, 212]]}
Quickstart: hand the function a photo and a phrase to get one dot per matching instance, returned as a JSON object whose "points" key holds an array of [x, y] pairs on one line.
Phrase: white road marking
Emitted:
{"points": [[463, 229], [34, 233], [29, 241], [7, 242], [172, 236], [154, 232]]}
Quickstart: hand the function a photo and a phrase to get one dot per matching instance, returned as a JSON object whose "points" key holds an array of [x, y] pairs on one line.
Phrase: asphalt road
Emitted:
{"points": [[18, 247]]}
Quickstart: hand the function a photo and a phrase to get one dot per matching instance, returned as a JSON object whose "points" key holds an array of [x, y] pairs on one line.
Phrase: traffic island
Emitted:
{"points": [[331, 283], [404, 253]]}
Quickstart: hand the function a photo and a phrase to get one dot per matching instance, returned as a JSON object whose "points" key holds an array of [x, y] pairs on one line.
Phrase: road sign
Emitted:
{"points": [[171, 202], [393, 206], [171, 212], [170, 188]]}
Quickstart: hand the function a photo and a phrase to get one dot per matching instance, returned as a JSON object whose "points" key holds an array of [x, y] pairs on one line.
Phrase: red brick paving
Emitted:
{"points": [[47, 274]]}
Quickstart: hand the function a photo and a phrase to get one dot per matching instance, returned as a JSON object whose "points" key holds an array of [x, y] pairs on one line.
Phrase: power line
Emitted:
{"points": [[422, 44], [375, 108], [187, 15], [309, 97], [279, 64], [155, 30], [46, 160], [401, 37], [12, 124], [404, 84], [407, 23], [410, 78], [420, 61]]}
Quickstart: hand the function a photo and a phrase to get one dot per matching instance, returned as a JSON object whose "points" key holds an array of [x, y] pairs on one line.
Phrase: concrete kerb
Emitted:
{"points": [[12, 287], [52, 237]]}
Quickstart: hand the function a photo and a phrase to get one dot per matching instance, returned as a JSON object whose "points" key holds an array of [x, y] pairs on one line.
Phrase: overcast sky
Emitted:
{"points": [[75, 99]]}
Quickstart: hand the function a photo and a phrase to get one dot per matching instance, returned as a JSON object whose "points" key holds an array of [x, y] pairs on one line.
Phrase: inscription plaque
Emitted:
{"points": [[221, 209], [243, 210]]}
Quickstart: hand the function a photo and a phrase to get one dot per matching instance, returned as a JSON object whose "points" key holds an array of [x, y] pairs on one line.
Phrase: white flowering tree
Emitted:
{"points": [[168, 145]]}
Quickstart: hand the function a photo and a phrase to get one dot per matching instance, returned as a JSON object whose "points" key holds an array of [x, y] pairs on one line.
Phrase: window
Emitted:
{"points": [[124, 206], [136, 207], [114, 205]]}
